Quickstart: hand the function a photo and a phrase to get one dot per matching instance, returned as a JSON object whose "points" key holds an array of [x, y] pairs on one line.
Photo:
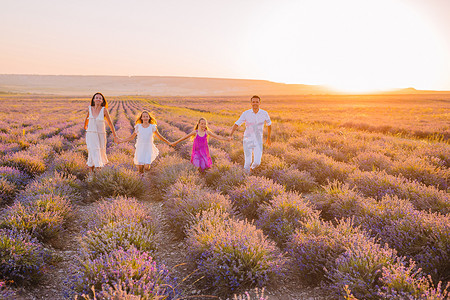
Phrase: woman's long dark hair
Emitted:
{"points": [[104, 103]]}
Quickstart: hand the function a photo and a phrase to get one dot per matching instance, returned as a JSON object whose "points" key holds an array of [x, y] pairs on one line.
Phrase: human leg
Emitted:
{"points": [[247, 156], [141, 169], [257, 154]]}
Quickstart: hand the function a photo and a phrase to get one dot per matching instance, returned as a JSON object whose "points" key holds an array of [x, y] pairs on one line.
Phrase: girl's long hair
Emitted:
{"points": [[151, 121], [196, 126], [104, 103]]}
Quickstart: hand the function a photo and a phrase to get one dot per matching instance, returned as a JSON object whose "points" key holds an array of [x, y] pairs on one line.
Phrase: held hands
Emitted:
{"points": [[117, 140]]}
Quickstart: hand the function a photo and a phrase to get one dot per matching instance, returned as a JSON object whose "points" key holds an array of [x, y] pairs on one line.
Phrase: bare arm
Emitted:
{"points": [[269, 130], [233, 129], [110, 124], [131, 137], [184, 138], [86, 121], [216, 136], [161, 137]]}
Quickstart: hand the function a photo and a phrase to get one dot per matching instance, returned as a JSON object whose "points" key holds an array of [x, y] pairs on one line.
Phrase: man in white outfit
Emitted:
{"points": [[254, 120]]}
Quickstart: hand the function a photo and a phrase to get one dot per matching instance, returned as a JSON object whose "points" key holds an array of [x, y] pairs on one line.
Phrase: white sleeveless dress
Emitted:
{"points": [[96, 140], [146, 151]]}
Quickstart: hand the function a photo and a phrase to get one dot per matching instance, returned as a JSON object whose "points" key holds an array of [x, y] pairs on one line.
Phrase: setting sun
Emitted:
{"points": [[351, 45]]}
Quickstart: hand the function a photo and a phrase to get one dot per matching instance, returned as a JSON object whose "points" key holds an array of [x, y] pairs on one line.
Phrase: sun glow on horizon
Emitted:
{"points": [[350, 46], [354, 46]]}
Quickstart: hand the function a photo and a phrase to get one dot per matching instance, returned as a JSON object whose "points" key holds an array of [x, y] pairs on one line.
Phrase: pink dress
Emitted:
{"points": [[200, 152]]}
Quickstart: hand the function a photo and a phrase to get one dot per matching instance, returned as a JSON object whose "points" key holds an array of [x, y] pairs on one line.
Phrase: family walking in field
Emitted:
{"points": [[145, 129]]}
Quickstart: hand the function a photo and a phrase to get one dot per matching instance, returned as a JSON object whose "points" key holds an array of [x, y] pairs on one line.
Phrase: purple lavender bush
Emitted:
{"points": [[437, 153], [61, 184], [165, 150], [224, 176], [378, 184], [73, 132], [112, 181], [185, 150], [70, 162], [32, 165], [298, 142], [270, 164], [121, 160], [337, 200], [231, 255], [406, 281], [119, 209], [11, 182], [278, 170], [419, 169], [237, 154], [80, 147], [419, 235], [7, 191], [218, 155], [283, 214], [121, 291], [184, 201], [360, 267], [118, 235], [22, 258], [283, 132], [132, 270], [370, 160], [57, 142], [425, 238], [125, 148], [295, 180], [321, 167], [278, 150], [14, 175], [170, 169], [253, 193], [317, 244], [43, 216]]}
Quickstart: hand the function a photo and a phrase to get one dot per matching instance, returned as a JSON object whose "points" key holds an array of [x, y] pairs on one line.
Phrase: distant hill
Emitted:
{"points": [[411, 90], [150, 85]]}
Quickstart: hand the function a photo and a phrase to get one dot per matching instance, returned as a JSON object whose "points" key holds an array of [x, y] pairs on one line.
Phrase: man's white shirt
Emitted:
{"points": [[254, 124]]}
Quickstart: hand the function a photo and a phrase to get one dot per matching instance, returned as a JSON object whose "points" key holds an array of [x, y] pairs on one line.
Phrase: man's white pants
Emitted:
{"points": [[250, 147]]}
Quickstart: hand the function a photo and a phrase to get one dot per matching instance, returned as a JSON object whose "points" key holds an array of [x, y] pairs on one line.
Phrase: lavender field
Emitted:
{"points": [[351, 201]]}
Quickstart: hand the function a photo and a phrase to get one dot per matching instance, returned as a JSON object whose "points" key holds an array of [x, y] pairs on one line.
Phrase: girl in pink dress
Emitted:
{"points": [[200, 150]]}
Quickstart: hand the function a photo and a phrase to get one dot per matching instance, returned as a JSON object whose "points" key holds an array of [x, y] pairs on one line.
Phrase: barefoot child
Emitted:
{"points": [[146, 151], [200, 150]]}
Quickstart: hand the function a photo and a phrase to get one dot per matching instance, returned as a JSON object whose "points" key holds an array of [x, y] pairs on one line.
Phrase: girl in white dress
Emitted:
{"points": [[146, 151], [96, 132]]}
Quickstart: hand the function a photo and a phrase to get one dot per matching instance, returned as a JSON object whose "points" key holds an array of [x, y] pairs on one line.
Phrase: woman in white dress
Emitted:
{"points": [[146, 152], [96, 132]]}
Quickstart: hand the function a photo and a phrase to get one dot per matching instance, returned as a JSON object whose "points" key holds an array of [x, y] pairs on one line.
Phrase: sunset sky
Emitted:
{"points": [[350, 45]]}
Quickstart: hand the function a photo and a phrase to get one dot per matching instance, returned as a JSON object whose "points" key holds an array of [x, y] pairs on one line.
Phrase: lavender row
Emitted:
{"points": [[39, 213], [419, 235], [201, 217], [117, 254], [185, 205]]}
